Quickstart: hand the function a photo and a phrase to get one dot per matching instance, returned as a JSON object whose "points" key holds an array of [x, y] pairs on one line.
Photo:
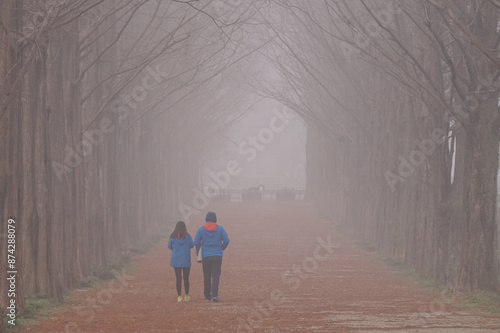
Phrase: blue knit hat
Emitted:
{"points": [[211, 217]]}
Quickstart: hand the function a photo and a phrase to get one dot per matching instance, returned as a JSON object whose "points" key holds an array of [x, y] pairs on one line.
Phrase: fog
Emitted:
{"points": [[268, 143], [375, 120]]}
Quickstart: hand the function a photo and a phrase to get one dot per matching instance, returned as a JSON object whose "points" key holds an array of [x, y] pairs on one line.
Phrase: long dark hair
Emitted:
{"points": [[180, 230]]}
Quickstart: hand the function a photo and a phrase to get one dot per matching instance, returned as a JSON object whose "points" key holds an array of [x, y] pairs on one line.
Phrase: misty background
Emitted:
{"points": [[113, 114]]}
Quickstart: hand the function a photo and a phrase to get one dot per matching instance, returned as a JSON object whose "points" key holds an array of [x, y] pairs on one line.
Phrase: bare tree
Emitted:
{"points": [[425, 66]]}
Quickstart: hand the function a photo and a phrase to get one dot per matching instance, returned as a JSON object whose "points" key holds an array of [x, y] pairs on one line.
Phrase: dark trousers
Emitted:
{"points": [[179, 271], [211, 274]]}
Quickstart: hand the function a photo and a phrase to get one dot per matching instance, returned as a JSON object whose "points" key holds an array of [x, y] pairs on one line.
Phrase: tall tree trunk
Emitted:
{"points": [[479, 257], [10, 140], [63, 100]]}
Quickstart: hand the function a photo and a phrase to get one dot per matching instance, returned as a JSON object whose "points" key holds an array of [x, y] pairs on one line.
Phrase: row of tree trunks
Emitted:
{"points": [[78, 197], [412, 182], [11, 131]]}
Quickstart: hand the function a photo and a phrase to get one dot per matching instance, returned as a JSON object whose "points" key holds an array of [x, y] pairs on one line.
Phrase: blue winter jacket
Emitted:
{"points": [[212, 242], [181, 251]]}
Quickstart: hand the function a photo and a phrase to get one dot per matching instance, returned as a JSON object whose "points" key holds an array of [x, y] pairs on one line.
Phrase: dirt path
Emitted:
{"points": [[285, 270]]}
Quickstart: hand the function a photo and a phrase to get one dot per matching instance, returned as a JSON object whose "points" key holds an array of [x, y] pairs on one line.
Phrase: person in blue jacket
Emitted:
{"points": [[212, 239], [181, 243]]}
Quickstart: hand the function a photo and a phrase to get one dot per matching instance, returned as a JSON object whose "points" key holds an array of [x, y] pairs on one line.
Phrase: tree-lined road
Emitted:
{"points": [[285, 270]]}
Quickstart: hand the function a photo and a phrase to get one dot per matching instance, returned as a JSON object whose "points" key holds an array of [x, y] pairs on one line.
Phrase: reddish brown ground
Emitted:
{"points": [[347, 290]]}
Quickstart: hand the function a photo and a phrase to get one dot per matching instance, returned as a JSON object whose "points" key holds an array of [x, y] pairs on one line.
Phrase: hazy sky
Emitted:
{"points": [[269, 144]]}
